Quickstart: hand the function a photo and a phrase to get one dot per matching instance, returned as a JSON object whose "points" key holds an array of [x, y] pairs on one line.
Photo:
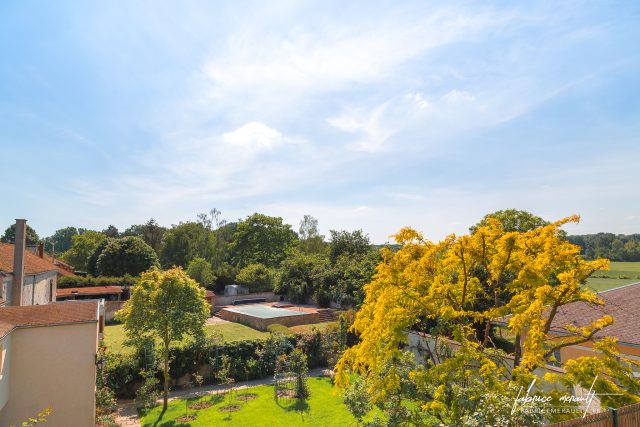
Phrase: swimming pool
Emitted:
{"points": [[264, 311], [260, 316]]}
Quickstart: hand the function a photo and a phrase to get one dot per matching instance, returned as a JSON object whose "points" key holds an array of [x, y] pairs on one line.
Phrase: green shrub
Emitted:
{"points": [[148, 393], [121, 370], [80, 282]]}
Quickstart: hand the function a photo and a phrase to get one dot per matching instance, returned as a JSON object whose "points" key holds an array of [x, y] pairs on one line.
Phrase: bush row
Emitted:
{"points": [[123, 371], [79, 281]]}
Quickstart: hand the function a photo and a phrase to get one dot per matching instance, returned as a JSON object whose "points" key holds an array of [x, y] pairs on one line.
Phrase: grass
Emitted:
{"points": [[303, 329], [114, 335], [619, 274], [323, 408]]}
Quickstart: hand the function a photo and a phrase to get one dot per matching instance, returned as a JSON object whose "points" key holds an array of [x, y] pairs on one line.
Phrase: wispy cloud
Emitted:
{"points": [[368, 117]]}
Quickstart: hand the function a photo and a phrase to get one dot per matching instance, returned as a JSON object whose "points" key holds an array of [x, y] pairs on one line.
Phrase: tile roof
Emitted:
{"points": [[32, 263], [622, 303], [89, 290], [59, 313]]}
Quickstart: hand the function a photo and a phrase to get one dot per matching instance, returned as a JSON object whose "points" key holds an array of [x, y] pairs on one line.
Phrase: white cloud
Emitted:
{"points": [[253, 135], [368, 125]]}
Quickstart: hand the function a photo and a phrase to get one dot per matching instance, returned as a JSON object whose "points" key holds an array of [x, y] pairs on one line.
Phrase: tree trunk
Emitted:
{"points": [[517, 351], [166, 377]]}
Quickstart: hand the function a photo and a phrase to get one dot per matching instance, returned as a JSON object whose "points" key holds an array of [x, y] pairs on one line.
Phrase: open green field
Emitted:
{"points": [[619, 274], [114, 335], [323, 408]]}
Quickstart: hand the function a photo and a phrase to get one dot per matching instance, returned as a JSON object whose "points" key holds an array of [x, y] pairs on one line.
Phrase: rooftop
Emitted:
{"points": [[622, 303], [33, 264], [60, 313]]}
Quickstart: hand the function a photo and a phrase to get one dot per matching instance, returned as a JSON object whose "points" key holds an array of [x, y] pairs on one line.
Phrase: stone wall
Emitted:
{"points": [[261, 324]]}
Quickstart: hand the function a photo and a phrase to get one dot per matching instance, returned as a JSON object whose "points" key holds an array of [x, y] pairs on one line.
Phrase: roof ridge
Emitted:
{"points": [[619, 287]]}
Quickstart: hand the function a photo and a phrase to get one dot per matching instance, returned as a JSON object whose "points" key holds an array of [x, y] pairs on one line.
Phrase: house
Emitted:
{"points": [[623, 303], [48, 349], [39, 276], [48, 360]]}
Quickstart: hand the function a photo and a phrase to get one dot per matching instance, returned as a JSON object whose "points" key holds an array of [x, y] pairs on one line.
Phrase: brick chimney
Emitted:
{"points": [[18, 262], [40, 250]]}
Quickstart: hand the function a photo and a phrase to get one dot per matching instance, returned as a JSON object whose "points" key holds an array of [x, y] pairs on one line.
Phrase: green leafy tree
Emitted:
{"points": [[62, 239], [111, 231], [187, 241], [199, 269], [300, 276], [92, 261], [295, 363], [348, 243], [256, 277], [9, 235], [82, 248], [262, 239], [128, 255], [151, 232], [345, 278], [165, 306], [512, 220], [311, 241]]}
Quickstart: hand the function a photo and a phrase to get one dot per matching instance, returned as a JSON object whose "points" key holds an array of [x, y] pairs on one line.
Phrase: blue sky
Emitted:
{"points": [[371, 115]]}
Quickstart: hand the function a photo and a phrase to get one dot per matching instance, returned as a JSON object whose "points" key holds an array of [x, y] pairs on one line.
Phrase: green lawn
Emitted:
{"points": [[323, 408], [303, 329], [619, 274], [114, 335]]}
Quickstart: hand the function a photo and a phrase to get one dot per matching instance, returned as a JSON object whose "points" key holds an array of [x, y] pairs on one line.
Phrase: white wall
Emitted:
{"points": [[37, 288], [5, 363], [53, 366]]}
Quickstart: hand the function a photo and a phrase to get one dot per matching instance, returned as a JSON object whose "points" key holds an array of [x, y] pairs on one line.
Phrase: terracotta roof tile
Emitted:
{"points": [[32, 263], [58, 313], [622, 303]]}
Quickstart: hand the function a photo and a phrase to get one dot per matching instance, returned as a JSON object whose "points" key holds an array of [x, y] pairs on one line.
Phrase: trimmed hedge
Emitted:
{"points": [[81, 282]]}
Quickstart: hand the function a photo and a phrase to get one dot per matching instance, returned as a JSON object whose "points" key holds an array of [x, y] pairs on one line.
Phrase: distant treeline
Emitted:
{"points": [[616, 247]]}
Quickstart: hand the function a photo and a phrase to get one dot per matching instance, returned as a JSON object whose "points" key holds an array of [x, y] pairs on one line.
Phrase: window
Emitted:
{"points": [[556, 356], [52, 296]]}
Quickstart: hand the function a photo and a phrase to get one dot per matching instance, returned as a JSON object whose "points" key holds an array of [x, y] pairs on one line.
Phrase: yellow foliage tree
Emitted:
{"points": [[467, 282]]}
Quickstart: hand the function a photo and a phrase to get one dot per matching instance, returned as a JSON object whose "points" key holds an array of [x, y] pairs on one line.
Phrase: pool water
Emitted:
{"points": [[264, 311]]}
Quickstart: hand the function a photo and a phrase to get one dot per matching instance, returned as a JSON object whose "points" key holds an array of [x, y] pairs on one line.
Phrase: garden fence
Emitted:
{"points": [[626, 416]]}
